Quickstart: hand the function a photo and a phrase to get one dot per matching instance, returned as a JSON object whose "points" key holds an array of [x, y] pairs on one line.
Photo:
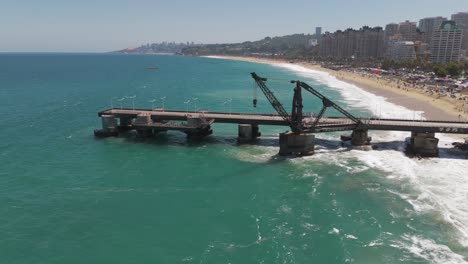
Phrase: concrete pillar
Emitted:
{"points": [[143, 119], [125, 124], [145, 133], [199, 133], [125, 121], [248, 133], [109, 127], [424, 144], [300, 144], [360, 138], [108, 122]]}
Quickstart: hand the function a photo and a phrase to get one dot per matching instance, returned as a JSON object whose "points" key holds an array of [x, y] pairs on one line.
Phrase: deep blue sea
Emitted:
{"points": [[68, 197]]}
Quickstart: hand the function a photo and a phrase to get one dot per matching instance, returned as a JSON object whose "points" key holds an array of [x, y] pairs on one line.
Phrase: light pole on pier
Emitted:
{"points": [[378, 111], [229, 101], [224, 106], [162, 100], [133, 101], [187, 103], [195, 99], [121, 100], [152, 103], [112, 102]]}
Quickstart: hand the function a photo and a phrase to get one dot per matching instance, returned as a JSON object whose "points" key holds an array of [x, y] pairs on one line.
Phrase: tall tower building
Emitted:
{"points": [[446, 43], [318, 33], [401, 51], [407, 31], [428, 25], [462, 20], [366, 43], [391, 30]]}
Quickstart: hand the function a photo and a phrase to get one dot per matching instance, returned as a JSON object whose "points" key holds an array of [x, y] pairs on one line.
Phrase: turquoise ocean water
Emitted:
{"points": [[67, 197]]}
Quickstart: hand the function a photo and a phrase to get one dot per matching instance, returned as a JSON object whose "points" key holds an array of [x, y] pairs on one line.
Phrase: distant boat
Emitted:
{"points": [[152, 67]]}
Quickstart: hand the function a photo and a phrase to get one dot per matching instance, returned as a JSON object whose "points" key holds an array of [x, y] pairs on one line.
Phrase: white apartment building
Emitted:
{"points": [[446, 43]]}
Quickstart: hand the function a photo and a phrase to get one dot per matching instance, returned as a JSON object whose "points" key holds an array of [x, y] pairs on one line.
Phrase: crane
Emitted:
{"points": [[294, 123], [295, 119]]}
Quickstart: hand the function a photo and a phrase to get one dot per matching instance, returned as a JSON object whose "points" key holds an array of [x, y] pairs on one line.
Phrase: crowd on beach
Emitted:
{"points": [[449, 95], [453, 90]]}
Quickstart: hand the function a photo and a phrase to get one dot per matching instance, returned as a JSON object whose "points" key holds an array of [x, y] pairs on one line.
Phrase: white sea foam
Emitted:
{"points": [[348, 236], [428, 250], [334, 230], [441, 183]]}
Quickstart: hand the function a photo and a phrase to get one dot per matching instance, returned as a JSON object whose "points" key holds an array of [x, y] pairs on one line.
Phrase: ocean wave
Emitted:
{"points": [[441, 182], [438, 185], [428, 250]]}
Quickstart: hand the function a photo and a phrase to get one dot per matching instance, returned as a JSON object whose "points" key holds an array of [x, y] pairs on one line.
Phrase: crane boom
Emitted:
{"points": [[273, 101], [326, 102], [295, 120]]}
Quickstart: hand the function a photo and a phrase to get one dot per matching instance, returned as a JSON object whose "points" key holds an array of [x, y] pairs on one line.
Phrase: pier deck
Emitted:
{"points": [[325, 125]]}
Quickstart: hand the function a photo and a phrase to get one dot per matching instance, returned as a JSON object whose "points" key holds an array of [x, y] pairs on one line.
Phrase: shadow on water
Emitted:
{"points": [[180, 139], [402, 146]]}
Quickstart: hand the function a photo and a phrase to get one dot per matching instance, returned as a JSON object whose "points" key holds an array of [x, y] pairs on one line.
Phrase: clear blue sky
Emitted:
{"points": [[103, 25]]}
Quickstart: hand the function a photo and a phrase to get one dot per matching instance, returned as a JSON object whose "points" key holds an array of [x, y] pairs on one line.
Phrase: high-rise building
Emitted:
{"points": [[428, 25], [360, 44], [401, 50], [407, 30], [391, 30], [446, 43], [318, 33], [422, 50], [462, 20]]}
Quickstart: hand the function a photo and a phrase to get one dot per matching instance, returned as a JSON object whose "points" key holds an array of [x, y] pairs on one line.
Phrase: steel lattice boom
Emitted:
{"points": [[295, 120]]}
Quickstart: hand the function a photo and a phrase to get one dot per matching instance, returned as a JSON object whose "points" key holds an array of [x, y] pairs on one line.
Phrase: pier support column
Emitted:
{"points": [[109, 127], [199, 133], [424, 144], [360, 138], [248, 133], [145, 133], [203, 128], [125, 124], [301, 144]]}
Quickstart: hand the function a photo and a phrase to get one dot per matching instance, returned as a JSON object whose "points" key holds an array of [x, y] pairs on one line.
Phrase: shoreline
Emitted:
{"points": [[433, 108]]}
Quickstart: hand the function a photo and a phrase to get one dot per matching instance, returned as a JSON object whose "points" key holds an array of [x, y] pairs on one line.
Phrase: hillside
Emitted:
{"points": [[163, 47], [286, 46]]}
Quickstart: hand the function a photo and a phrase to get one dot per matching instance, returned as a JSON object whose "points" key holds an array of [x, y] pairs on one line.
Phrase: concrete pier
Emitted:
{"points": [[145, 133], [202, 130], [360, 138], [109, 127], [199, 133], [248, 133], [197, 124], [424, 144], [142, 119], [300, 144], [125, 123]]}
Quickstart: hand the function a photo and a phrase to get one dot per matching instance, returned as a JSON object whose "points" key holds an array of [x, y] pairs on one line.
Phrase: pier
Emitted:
{"points": [[149, 122], [303, 126]]}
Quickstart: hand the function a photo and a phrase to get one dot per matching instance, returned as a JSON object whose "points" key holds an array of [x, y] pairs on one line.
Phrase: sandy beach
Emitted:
{"points": [[434, 108]]}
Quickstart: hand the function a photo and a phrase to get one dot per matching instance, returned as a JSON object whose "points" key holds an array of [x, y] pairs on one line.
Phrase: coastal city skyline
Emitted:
{"points": [[54, 26]]}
